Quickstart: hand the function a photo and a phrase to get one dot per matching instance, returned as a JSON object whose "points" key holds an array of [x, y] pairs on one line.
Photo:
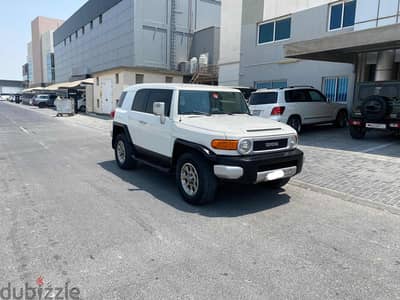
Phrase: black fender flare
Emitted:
{"points": [[125, 129], [207, 153]]}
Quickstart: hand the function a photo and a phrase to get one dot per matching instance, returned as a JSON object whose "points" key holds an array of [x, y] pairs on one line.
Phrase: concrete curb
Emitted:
{"points": [[345, 197]]}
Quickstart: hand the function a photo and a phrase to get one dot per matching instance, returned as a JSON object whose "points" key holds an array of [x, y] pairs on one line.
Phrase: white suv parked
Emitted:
{"points": [[203, 134], [297, 106]]}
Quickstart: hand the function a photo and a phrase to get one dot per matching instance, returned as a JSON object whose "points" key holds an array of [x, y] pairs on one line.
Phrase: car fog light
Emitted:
{"points": [[245, 146]]}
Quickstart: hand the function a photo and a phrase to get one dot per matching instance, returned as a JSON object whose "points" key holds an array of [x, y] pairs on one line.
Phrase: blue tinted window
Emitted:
{"points": [[263, 85], [343, 84], [349, 13], [279, 84], [282, 30], [336, 16], [336, 88], [272, 84], [266, 33]]}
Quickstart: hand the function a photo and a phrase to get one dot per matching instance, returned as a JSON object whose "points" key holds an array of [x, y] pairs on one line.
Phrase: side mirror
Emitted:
{"points": [[159, 110]]}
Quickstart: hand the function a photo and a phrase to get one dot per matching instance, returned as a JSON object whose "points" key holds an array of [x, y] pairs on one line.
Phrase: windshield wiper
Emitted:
{"points": [[202, 113]]}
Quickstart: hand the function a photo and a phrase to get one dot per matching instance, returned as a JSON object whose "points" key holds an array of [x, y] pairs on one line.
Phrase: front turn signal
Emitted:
{"points": [[225, 144]]}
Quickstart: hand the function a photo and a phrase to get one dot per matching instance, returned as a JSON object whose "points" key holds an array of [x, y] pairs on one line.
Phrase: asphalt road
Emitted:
{"points": [[70, 215]]}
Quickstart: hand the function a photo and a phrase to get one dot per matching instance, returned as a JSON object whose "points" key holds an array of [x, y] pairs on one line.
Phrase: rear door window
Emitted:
{"points": [[316, 96], [121, 99], [297, 96], [263, 98]]}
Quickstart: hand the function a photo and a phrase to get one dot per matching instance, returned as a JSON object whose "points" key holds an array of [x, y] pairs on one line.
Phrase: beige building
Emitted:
{"points": [[108, 85], [43, 50]]}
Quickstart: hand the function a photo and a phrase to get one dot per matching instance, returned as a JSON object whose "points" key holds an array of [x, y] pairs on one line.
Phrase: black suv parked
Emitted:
{"points": [[376, 106]]}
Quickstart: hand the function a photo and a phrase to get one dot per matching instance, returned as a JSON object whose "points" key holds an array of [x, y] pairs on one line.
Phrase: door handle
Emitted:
{"points": [[143, 122]]}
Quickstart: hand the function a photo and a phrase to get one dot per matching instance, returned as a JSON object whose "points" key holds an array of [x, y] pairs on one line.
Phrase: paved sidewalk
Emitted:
{"points": [[366, 171]]}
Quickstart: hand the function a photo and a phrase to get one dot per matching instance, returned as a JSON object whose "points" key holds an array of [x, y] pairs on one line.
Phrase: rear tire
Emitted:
{"points": [[42, 105], [357, 132], [341, 119], [124, 153], [295, 123], [195, 179]]}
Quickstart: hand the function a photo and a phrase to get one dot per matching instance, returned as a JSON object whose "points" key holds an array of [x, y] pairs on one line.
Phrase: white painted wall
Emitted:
{"points": [[277, 8], [10, 90], [126, 79], [229, 57]]}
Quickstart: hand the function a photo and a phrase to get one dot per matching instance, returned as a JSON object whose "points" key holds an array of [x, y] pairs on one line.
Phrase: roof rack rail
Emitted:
{"points": [[303, 86]]}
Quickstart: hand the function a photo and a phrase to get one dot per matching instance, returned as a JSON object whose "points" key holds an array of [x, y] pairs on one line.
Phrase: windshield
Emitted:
{"points": [[391, 92], [209, 102], [263, 98]]}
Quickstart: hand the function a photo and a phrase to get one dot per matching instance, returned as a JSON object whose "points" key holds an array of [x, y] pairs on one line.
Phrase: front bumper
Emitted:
{"points": [[259, 168]]}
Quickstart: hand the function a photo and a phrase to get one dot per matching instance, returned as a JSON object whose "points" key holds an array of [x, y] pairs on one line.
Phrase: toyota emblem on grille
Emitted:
{"points": [[271, 144]]}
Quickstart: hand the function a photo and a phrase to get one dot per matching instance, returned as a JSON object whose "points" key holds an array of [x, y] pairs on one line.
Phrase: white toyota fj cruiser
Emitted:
{"points": [[204, 134]]}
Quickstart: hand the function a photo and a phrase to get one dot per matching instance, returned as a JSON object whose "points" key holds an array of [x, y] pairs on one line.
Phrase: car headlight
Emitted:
{"points": [[293, 141], [245, 146]]}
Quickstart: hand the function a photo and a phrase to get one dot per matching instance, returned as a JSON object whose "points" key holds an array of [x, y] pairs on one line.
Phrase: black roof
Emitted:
{"points": [[11, 83]]}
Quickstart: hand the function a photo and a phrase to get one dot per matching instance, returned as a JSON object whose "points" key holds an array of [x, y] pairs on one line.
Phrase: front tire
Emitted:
{"points": [[124, 153], [357, 132], [195, 179]]}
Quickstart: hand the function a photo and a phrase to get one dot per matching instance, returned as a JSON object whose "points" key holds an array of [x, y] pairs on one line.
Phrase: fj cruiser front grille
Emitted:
{"points": [[267, 145]]}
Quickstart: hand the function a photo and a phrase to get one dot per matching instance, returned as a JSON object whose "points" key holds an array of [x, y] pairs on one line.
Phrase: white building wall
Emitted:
{"points": [[10, 90], [229, 61], [278, 8], [126, 79]]}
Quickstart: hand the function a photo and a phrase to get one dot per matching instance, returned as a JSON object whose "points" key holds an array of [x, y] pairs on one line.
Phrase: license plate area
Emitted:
{"points": [[376, 126], [276, 174]]}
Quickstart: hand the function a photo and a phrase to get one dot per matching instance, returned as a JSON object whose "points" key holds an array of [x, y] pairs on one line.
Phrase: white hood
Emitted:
{"points": [[237, 125]]}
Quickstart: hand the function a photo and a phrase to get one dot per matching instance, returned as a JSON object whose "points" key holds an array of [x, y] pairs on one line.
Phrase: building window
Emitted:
{"points": [[117, 78], [342, 15], [169, 79], [271, 84], [274, 31], [83, 30], [91, 25], [100, 19], [97, 81], [139, 78], [336, 88]]}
